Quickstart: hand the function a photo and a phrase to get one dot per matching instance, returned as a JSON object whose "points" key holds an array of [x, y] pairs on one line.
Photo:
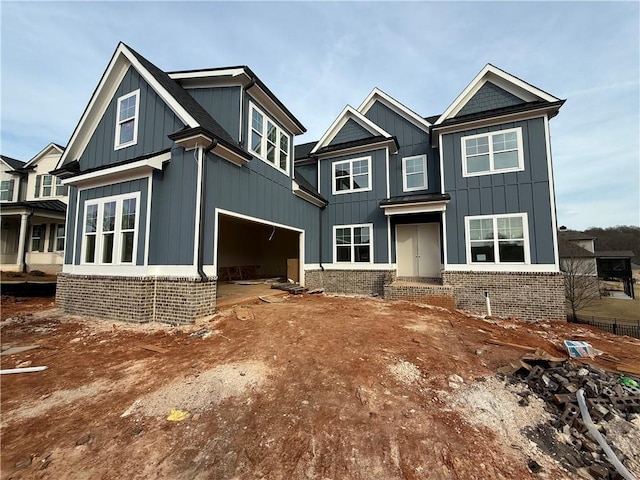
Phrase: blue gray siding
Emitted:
{"points": [[412, 141], [139, 185], [155, 121], [173, 211], [309, 172], [516, 192], [489, 96], [70, 225], [349, 132], [354, 208], [258, 190], [223, 104]]}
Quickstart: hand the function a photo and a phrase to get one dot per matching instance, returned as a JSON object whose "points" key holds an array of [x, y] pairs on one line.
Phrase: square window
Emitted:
{"points": [[352, 244], [497, 239], [493, 152], [352, 175]]}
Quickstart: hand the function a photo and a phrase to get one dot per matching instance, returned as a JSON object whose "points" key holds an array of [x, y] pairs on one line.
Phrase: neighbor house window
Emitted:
{"points": [[414, 173], [111, 227], [59, 237], [6, 190], [493, 152], [267, 140], [353, 243], [127, 120], [47, 182], [37, 238], [497, 239], [352, 175], [61, 189]]}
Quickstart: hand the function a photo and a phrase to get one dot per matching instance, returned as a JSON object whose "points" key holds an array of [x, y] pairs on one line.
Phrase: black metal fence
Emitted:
{"points": [[611, 325]]}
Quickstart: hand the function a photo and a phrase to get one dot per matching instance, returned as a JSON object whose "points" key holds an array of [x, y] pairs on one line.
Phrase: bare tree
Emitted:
{"points": [[580, 277]]}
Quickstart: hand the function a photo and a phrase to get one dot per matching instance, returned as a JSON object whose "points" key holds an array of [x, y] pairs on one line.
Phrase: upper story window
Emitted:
{"points": [[61, 189], [110, 230], [6, 190], [353, 243], [268, 141], [49, 186], [127, 120], [414, 173], [493, 152], [352, 175], [497, 238]]}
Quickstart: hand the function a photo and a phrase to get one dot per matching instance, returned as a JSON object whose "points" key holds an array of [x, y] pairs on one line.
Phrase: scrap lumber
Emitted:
{"points": [[14, 350], [22, 370], [153, 348], [628, 368], [493, 341]]}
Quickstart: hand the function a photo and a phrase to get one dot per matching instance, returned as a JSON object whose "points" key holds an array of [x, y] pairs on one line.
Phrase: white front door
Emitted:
{"points": [[418, 250]]}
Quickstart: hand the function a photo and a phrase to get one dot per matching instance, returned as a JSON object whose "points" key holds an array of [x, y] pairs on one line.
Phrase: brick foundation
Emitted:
{"points": [[137, 299], [358, 282], [428, 293], [529, 296]]}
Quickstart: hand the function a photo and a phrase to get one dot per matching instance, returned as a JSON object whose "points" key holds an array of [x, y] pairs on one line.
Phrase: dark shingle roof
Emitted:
{"points": [[568, 249], [307, 186], [303, 150], [356, 143], [614, 254], [51, 205], [522, 107], [574, 235], [12, 162], [427, 197], [432, 119]]}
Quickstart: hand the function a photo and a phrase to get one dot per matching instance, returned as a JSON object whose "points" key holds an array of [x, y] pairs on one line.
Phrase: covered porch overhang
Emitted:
{"points": [[428, 203]]}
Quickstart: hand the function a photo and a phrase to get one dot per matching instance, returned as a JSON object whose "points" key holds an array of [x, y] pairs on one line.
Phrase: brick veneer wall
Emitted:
{"points": [[359, 282], [439, 295], [529, 296], [136, 299]]}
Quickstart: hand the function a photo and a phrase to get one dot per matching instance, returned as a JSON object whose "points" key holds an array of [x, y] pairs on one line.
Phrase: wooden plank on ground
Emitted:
{"points": [[628, 368], [13, 350], [493, 341], [153, 348]]}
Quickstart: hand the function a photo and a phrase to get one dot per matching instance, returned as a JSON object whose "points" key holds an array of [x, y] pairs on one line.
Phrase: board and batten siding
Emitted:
{"points": [[223, 104], [257, 190], [357, 207], [310, 173], [412, 141], [139, 185], [155, 121], [70, 226], [349, 132], [526, 191]]}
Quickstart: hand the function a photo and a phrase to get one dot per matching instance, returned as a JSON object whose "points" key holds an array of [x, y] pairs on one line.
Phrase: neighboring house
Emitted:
{"points": [[178, 179], [33, 212]]}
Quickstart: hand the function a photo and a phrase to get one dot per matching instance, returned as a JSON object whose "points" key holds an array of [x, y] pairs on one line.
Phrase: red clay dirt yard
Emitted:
{"points": [[312, 387]]}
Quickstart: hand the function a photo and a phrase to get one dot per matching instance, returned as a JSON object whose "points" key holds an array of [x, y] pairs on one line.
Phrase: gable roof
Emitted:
{"points": [[349, 113], [303, 150], [45, 151], [12, 162], [185, 107], [378, 95], [510, 83]]}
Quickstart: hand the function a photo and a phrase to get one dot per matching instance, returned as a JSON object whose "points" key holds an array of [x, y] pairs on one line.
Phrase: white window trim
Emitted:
{"points": [[56, 237], [492, 170], [8, 189], [351, 190], [525, 233], [263, 142], [335, 246], [404, 173], [117, 242], [116, 145]]}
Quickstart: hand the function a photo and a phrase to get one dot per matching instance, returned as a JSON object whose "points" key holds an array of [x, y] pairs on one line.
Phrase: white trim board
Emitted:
{"points": [[43, 153], [502, 267], [418, 207], [378, 95]]}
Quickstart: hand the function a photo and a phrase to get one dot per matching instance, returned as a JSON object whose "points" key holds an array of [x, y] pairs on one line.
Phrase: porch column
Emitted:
{"points": [[22, 238]]}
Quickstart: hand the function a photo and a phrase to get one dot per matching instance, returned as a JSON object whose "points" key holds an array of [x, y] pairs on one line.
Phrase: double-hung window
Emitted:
{"points": [[498, 239], [47, 182], [37, 238], [127, 120], [493, 152], [267, 140], [6, 190], [60, 237], [352, 175], [414, 173], [61, 189], [110, 230], [353, 243]]}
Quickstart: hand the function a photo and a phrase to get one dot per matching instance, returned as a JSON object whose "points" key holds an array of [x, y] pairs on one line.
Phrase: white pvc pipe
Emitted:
{"points": [[586, 418], [22, 370]]}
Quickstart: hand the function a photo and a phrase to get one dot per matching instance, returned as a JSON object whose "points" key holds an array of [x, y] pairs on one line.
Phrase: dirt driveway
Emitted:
{"points": [[314, 387]]}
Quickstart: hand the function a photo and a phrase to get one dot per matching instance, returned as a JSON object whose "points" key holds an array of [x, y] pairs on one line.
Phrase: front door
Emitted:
{"points": [[418, 250]]}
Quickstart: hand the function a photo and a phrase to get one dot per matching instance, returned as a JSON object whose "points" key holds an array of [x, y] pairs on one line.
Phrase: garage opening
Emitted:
{"points": [[251, 255]]}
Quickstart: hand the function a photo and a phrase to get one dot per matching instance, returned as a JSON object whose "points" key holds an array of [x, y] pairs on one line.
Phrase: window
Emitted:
{"points": [[353, 243], [414, 173], [494, 152], [47, 181], [498, 239], [110, 230], [61, 189], [60, 237], [37, 238], [268, 141], [127, 120], [352, 175], [6, 190]]}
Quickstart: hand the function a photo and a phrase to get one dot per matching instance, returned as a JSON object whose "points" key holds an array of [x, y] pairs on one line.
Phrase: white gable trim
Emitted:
{"points": [[349, 113], [503, 80], [44, 152], [391, 103], [113, 75]]}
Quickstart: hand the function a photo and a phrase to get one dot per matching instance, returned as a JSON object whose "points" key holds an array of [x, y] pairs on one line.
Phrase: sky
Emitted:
{"points": [[318, 57]]}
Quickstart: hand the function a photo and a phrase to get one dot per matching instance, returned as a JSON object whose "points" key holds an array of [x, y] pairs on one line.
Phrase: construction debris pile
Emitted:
{"points": [[610, 398]]}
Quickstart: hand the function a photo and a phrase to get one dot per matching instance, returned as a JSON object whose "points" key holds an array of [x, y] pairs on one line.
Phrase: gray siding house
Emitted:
{"points": [[176, 179]]}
